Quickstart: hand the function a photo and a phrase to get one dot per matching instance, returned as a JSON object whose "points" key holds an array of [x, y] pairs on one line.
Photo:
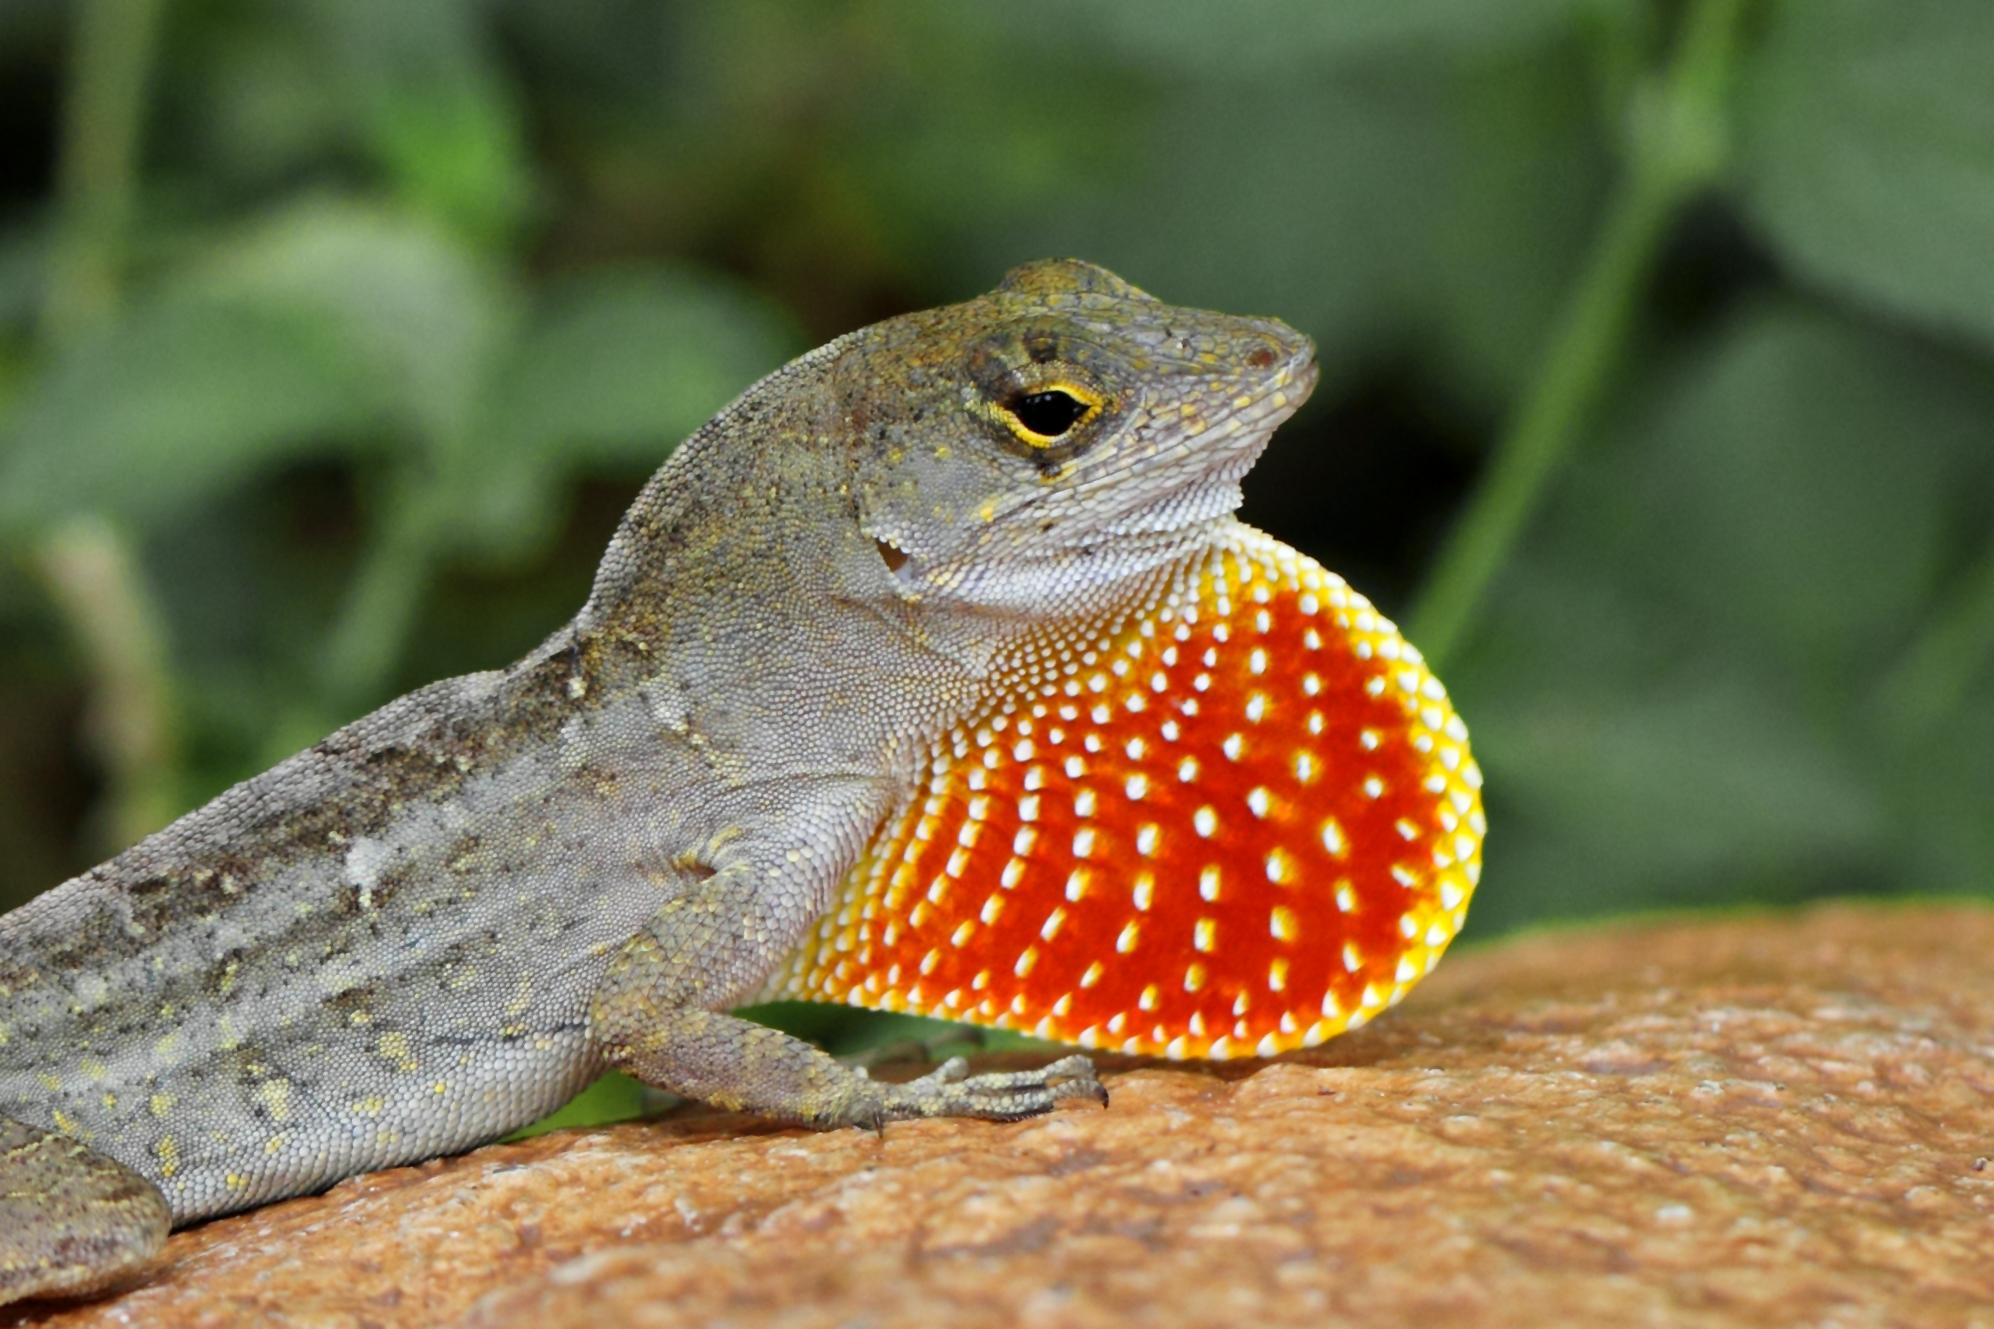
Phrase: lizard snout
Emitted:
{"points": [[1288, 353]]}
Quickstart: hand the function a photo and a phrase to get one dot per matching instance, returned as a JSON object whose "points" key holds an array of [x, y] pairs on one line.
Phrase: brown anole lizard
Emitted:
{"points": [[933, 674]]}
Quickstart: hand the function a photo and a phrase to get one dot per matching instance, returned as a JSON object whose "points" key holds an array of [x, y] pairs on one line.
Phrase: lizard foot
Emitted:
{"points": [[951, 1091]]}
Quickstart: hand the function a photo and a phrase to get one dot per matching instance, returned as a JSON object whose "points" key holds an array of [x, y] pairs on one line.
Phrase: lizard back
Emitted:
{"points": [[378, 950]]}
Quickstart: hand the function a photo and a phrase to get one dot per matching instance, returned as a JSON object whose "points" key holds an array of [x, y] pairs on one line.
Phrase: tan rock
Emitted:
{"points": [[1776, 1120]]}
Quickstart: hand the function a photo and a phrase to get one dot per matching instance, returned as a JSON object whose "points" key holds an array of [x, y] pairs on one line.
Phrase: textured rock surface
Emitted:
{"points": [[1781, 1120]]}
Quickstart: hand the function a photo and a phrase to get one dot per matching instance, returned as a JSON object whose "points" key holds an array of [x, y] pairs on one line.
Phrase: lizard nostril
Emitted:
{"points": [[1261, 358]]}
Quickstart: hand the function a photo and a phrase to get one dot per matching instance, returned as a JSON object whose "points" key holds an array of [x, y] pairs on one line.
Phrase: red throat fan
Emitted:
{"points": [[1240, 820]]}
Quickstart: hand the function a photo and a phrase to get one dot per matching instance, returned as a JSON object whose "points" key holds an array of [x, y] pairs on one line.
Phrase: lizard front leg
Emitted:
{"points": [[658, 1014], [72, 1220]]}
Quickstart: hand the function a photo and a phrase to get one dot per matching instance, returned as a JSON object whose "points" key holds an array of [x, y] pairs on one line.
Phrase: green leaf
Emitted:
{"points": [[420, 304], [615, 368], [424, 87], [1938, 792], [1670, 695], [179, 398], [608, 373], [1867, 152], [320, 326], [1791, 490], [1611, 793]]}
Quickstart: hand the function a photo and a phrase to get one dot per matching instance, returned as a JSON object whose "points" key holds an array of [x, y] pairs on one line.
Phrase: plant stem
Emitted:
{"points": [[97, 171], [87, 565], [88, 570], [1675, 148]]}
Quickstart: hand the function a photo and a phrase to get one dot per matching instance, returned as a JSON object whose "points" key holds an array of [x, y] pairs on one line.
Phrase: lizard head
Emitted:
{"points": [[1062, 433]]}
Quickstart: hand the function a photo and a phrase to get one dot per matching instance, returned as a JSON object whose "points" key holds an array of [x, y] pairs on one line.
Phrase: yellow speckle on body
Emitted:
{"points": [[167, 1150], [275, 1095], [160, 1104], [395, 1047]]}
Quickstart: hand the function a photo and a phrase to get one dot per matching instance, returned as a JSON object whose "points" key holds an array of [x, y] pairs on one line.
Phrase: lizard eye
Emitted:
{"points": [[1043, 417], [1049, 413]]}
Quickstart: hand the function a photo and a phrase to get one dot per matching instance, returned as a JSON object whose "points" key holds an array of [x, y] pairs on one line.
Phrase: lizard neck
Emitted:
{"points": [[1080, 602]]}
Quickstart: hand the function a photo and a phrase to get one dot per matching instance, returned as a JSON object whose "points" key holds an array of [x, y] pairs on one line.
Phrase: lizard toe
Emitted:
{"points": [[949, 1091]]}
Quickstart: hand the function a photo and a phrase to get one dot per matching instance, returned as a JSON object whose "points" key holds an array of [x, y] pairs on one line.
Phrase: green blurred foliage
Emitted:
{"points": [[406, 299]]}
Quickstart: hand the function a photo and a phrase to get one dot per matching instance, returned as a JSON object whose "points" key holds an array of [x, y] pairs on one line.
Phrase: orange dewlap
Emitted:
{"points": [[1240, 821]]}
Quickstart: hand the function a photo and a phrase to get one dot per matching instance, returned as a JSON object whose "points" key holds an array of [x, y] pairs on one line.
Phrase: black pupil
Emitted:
{"points": [[1049, 413]]}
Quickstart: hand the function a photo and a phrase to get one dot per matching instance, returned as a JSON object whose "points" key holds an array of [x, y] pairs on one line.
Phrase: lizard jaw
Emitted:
{"points": [[1223, 452]]}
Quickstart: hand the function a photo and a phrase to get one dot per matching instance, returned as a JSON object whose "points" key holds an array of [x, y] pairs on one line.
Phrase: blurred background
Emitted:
{"points": [[1658, 345]]}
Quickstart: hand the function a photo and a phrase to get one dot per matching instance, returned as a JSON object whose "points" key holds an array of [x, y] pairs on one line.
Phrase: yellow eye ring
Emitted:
{"points": [[1049, 412]]}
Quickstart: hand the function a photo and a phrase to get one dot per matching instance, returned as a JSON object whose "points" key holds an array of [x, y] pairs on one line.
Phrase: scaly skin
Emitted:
{"points": [[437, 924]]}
